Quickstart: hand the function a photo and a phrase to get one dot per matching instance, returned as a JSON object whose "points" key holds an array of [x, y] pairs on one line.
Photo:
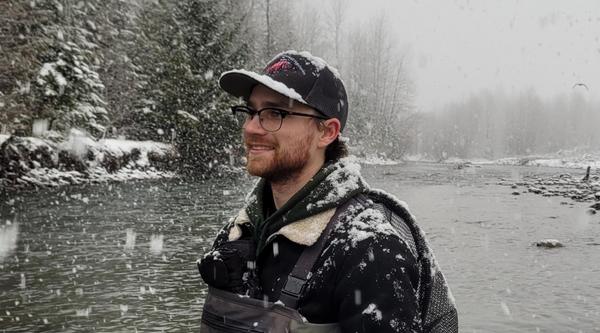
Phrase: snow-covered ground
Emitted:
{"points": [[377, 160], [563, 159], [3, 138], [80, 159]]}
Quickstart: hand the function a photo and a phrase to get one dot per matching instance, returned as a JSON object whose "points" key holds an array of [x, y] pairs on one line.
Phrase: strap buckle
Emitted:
{"points": [[290, 294], [294, 286]]}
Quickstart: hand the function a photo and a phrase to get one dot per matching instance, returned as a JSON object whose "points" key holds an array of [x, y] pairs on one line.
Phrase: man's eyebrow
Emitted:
{"points": [[279, 104]]}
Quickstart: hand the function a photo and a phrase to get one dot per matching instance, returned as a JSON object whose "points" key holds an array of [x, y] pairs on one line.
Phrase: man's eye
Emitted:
{"points": [[274, 114]]}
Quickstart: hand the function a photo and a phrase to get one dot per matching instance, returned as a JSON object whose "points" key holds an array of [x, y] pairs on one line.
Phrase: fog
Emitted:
{"points": [[458, 48]]}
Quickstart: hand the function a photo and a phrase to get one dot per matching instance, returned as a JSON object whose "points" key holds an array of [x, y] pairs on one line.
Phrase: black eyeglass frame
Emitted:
{"points": [[284, 113]]}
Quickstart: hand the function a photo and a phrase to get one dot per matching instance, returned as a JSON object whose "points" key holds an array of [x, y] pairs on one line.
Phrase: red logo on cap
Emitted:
{"points": [[280, 65]]}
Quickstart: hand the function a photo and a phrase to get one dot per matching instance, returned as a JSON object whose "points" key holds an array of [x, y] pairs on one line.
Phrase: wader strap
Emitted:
{"points": [[296, 281]]}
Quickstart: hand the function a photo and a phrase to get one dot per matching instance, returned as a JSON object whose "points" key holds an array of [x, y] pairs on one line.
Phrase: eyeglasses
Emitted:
{"points": [[270, 119]]}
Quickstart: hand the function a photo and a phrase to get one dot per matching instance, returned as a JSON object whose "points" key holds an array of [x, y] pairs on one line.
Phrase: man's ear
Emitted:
{"points": [[330, 130]]}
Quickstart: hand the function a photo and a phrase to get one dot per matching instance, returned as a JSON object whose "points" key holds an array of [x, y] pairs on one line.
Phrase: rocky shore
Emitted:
{"points": [[576, 188]]}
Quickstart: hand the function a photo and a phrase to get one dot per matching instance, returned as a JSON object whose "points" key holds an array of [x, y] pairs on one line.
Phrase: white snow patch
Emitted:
{"points": [[370, 223], [187, 116], [269, 82], [377, 160], [357, 297], [49, 69], [9, 234], [77, 143], [344, 179], [130, 239], [156, 244], [40, 126], [373, 311], [120, 147], [23, 283], [319, 63], [83, 312], [505, 308]]}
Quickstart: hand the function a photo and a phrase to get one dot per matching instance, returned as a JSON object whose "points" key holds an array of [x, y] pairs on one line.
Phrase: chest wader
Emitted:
{"points": [[229, 312]]}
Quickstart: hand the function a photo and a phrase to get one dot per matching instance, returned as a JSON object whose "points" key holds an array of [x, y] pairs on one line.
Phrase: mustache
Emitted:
{"points": [[254, 140]]}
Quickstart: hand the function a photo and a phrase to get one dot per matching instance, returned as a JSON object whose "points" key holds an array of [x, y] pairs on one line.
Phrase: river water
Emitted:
{"points": [[121, 257]]}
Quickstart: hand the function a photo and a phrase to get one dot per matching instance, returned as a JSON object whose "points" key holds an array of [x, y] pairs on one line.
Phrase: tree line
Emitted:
{"points": [[148, 69], [493, 125]]}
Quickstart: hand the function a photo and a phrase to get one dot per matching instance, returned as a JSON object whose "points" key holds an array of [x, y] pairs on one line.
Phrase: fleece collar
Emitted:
{"points": [[305, 211], [304, 232]]}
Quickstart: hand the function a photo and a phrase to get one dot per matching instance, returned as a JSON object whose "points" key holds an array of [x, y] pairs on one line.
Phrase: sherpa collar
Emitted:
{"points": [[333, 185], [305, 231]]}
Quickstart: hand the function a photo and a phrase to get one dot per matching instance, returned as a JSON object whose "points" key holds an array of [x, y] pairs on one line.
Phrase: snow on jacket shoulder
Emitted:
{"points": [[367, 278]]}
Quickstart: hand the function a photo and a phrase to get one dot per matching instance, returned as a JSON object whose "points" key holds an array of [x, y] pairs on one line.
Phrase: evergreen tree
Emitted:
{"points": [[188, 44], [23, 27], [53, 65], [117, 31]]}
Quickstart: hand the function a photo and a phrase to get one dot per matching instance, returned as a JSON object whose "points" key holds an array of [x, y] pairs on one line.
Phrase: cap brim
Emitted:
{"points": [[240, 83]]}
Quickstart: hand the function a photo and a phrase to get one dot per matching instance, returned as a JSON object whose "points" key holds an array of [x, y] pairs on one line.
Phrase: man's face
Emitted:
{"points": [[279, 156]]}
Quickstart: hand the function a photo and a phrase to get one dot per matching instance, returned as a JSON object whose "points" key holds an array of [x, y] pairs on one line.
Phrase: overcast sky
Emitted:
{"points": [[459, 47]]}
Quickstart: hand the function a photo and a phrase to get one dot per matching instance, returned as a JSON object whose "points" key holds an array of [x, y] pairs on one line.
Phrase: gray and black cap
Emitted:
{"points": [[299, 76]]}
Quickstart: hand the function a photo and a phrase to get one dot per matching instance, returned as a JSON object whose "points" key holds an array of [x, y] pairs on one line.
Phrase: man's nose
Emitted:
{"points": [[252, 126]]}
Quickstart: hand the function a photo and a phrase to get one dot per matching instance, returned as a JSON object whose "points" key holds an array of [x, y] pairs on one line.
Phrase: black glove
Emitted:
{"points": [[224, 267]]}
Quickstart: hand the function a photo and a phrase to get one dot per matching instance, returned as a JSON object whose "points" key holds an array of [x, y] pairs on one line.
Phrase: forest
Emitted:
{"points": [[148, 70]]}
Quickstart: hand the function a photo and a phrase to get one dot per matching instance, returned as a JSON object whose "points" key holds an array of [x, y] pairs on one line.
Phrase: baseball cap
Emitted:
{"points": [[299, 76]]}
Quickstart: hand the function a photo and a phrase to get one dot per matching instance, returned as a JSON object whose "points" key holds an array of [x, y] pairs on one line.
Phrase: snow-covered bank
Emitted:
{"points": [[562, 159], [577, 188], [28, 161], [376, 160], [3, 137]]}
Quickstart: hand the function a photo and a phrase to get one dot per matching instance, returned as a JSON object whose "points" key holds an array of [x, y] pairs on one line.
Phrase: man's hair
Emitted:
{"points": [[336, 150]]}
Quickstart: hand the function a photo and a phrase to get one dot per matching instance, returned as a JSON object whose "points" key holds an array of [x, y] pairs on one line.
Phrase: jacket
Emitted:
{"points": [[376, 272]]}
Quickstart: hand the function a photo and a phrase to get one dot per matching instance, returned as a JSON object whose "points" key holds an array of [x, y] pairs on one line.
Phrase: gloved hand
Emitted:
{"points": [[224, 267]]}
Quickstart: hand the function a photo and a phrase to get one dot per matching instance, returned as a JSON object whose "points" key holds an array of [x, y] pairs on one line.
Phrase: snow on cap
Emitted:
{"points": [[299, 76]]}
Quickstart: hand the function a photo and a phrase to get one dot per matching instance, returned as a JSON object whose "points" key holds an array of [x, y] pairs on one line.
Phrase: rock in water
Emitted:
{"points": [[534, 189], [549, 243], [591, 211]]}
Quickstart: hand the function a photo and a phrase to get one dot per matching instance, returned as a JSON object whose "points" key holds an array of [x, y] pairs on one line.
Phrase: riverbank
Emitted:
{"points": [[33, 162], [571, 159], [581, 184]]}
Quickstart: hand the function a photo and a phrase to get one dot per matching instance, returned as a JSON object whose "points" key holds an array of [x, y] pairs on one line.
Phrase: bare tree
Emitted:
{"points": [[268, 21], [339, 9], [380, 89]]}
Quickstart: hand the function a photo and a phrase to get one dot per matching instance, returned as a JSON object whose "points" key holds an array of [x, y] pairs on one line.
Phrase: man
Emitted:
{"points": [[315, 249]]}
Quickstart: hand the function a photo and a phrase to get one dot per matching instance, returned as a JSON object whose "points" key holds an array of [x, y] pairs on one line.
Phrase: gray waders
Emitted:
{"points": [[229, 312]]}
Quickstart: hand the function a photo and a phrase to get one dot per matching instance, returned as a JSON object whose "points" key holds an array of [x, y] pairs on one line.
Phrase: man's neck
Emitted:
{"points": [[284, 190]]}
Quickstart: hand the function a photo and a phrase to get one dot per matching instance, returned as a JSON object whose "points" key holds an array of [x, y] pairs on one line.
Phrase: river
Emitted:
{"points": [[121, 256]]}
